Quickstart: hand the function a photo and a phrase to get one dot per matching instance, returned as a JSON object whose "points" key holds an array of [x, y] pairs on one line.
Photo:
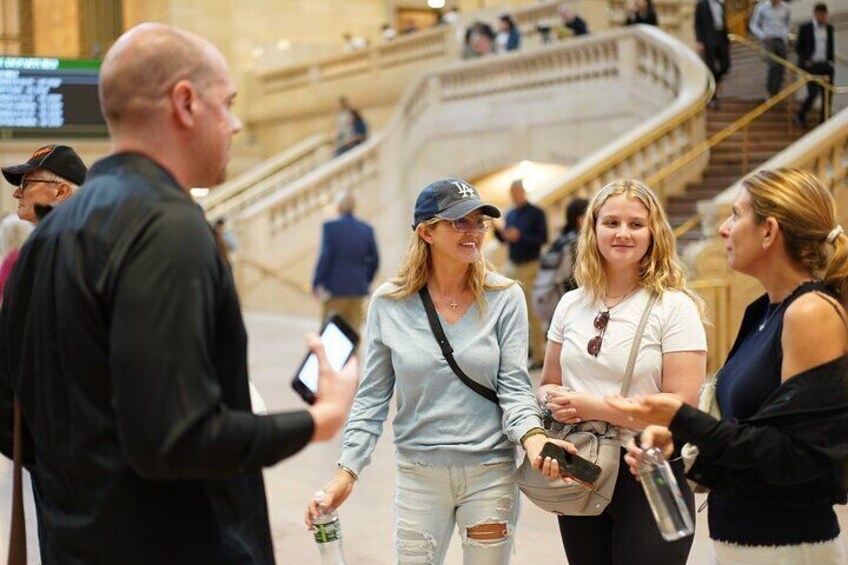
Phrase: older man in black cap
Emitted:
{"points": [[49, 177]]}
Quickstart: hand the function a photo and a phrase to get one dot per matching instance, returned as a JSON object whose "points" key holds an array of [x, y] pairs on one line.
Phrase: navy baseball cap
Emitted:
{"points": [[449, 199], [58, 159]]}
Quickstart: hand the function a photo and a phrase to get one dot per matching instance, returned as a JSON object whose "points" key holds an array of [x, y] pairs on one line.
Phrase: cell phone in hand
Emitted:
{"points": [[573, 466], [339, 341]]}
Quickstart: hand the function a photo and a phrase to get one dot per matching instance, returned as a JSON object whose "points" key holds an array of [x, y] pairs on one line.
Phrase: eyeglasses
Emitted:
{"points": [[601, 321], [27, 182], [465, 225]]}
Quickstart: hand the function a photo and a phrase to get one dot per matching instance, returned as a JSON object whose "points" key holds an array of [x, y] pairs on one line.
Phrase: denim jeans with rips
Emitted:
{"points": [[481, 500]]}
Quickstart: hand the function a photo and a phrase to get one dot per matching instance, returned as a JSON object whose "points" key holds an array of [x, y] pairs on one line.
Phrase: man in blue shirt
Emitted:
{"points": [[770, 24], [347, 264], [525, 232]]}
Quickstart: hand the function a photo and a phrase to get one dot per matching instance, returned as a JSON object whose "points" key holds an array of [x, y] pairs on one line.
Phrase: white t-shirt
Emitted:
{"points": [[673, 325]]}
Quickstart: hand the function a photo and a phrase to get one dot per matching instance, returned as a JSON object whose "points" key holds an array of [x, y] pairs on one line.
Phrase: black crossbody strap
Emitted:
{"points": [[447, 350]]}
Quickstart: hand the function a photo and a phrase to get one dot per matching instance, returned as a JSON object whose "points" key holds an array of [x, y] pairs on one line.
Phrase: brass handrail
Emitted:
{"points": [[657, 179], [794, 68], [735, 19], [686, 226]]}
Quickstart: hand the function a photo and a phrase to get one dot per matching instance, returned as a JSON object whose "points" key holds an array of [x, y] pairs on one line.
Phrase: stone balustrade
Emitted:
{"points": [[235, 195], [288, 103]]}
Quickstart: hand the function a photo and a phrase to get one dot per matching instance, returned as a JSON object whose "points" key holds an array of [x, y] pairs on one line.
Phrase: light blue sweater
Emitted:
{"points": [[440, 421]]}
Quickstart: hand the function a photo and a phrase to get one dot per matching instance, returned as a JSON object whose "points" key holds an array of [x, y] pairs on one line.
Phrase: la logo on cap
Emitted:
{"points": [[464, 190]]}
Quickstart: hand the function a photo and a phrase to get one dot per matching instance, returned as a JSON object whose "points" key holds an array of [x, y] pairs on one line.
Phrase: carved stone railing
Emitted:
{"points": [[311, 89], [288, 103], [824, 152], [436, 42], [235, 195], [474, 117], [427, 44]]}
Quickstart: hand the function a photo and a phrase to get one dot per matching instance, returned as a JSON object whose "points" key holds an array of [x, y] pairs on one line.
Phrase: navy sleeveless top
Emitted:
{"points": [[751, 374]]}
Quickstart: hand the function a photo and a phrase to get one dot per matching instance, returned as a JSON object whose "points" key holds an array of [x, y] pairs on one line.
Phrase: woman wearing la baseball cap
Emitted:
{"points": [[464, 398]]}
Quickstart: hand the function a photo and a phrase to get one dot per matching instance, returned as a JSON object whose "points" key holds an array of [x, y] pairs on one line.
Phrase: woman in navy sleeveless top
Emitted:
{"points": [[777, 462]]}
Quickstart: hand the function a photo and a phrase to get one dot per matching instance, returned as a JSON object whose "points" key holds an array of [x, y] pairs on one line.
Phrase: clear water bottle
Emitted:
{"points": [[667, 504], [328, 532]]}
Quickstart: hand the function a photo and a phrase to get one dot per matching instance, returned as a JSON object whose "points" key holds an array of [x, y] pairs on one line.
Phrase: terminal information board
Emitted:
{"points": [[44, 93]]}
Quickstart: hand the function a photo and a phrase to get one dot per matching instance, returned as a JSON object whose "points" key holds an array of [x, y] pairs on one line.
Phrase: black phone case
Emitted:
{"points": [[298, 386], [572, 466]]}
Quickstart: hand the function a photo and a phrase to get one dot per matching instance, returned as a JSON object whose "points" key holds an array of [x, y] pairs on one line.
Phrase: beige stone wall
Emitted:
{"points": [[56, 28], [238, 27], [137, 11]]}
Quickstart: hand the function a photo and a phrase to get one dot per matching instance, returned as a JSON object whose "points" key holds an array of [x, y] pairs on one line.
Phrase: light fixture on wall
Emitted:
{"points": [[284, 45], [436, 4]]}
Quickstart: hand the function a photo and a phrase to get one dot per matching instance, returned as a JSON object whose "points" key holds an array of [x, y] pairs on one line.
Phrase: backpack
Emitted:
{"points": [[556, 269]]}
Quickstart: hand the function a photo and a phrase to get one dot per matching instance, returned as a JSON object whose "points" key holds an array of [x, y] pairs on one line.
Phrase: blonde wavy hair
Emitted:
{"points": [[414, 271], [660, 268], [806, 213]]}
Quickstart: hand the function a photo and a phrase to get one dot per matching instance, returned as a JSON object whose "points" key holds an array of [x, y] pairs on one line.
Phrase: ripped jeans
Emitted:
{"points": [[481, 500]]}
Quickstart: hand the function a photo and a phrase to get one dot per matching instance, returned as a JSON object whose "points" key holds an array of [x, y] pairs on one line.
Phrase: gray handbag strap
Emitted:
{"points": [[637, 340]]}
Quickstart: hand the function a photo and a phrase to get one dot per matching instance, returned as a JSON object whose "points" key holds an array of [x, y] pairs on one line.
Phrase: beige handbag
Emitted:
{"points": [[599, 442]]}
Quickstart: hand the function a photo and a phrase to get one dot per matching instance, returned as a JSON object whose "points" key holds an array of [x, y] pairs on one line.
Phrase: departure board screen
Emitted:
{"points": [[58, 95]]}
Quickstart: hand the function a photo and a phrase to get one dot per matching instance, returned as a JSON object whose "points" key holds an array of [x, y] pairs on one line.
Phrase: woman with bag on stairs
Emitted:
{"points": [[777, 461], [626, 260], [455, 433]]}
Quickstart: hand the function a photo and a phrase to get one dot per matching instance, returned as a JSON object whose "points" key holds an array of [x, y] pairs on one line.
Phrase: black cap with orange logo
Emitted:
{"points": [[58, 159]]}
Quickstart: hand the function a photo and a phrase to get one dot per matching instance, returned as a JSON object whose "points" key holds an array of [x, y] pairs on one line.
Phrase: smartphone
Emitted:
{"points": [[572, 466], [339, 341]]}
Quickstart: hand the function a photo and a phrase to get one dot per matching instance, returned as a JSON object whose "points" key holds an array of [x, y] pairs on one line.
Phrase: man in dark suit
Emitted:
{"points": [[712, 41], [347, 264], [815, 55]]}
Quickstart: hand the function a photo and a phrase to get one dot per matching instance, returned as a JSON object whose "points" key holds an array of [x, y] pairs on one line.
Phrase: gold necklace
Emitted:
{"points": [[622, 297]]}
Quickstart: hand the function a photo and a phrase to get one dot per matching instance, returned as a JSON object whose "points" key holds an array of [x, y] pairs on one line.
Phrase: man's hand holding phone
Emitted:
{"points": [[334, 395]]}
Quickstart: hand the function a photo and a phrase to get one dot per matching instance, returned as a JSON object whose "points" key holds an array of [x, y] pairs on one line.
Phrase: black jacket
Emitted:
{"points": [[793, 451], [806, 45], [705, 31], [121, 335]]}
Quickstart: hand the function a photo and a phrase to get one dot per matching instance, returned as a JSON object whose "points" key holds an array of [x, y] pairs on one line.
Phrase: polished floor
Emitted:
{"points": [[276, 348]]}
